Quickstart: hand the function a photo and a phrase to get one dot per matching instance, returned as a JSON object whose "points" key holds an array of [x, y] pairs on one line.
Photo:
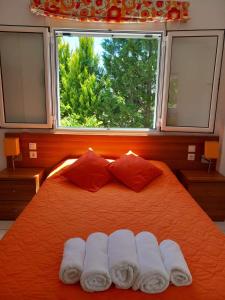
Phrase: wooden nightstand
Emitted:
{"points": [[208, 189], [17, 187]]}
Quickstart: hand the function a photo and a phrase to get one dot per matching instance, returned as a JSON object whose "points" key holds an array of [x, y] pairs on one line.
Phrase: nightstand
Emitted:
{"points": [[208, 189], [17, 187]]}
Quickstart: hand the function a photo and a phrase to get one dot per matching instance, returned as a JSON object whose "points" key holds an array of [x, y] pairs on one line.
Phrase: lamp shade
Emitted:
{"points": [[211, 149], [11, 146]]}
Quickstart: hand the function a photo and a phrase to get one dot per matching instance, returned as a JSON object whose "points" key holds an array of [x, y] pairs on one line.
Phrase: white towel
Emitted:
{"points": [[123, 262], [153, 277], [95, 276], [73, 260], [175, 263]]}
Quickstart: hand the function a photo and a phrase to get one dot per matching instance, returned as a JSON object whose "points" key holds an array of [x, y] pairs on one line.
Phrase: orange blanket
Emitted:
{"points": [[31, 252]]}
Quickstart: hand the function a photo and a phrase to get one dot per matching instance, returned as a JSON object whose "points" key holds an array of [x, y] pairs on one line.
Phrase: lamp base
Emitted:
{"points": [[13, 162], [209, 166], [211, 163]]}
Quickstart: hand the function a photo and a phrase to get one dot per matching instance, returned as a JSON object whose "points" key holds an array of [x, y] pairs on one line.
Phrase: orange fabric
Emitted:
{"points": [[113, 11], [89, 172], [134, 171], [31, 252]]}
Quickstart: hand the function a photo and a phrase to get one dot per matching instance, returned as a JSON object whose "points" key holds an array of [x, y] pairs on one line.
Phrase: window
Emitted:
{"points": [[193, 61], [110, 80], [107, 80], [24, 77]]}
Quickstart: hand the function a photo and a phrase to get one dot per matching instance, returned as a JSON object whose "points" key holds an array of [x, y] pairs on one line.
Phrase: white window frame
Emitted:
{"points": [[212, 113], [46, 50], [97, 32]]}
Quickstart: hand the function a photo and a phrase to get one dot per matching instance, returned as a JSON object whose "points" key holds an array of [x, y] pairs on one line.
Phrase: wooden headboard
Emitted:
{"points": [[54, 147]]}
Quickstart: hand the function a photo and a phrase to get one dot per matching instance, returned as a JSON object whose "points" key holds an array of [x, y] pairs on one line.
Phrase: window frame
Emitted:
{"points": [[215, 86], [47, 74], [55, 81]]}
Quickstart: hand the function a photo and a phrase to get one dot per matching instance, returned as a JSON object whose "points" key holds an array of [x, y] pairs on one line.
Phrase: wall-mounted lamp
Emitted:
{"points": [[12, 148], [211, 152]]}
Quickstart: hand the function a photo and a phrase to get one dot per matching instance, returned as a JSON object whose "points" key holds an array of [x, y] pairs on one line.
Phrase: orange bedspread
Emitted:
{"points": [[31, 252]]}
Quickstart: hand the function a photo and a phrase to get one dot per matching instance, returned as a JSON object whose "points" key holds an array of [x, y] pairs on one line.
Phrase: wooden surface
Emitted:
{"points": [[17, 187], [203, 176], [208, 189], [20, 173], [52, 148]]}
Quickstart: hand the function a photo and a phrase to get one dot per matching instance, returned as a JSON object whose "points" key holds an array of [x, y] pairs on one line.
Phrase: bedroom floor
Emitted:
{"points": [[5, 226]]}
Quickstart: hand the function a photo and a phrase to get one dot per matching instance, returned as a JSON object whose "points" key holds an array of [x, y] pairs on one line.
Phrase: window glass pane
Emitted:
{"points": [[191, 81], [107, 81], [23, 77]]}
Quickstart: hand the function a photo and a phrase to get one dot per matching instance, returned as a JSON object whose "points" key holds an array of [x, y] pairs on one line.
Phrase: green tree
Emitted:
{"points": [[113, 110], [86, 96], [119, 93], [78, 84], [131, 65]]}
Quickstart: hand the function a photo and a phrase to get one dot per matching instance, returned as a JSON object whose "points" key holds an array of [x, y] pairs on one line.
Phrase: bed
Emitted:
{"points": [[31, 251]]}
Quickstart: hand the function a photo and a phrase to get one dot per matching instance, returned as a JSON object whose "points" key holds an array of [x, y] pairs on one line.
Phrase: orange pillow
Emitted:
{"points": [[134, 171], [89, 172]]}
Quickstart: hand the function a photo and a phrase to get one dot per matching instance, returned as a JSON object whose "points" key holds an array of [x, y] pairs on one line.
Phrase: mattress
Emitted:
{"points": [[31, 252]]}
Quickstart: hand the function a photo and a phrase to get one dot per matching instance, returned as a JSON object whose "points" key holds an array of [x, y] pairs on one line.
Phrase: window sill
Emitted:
{"points": [[100, 131], [126, 132]]}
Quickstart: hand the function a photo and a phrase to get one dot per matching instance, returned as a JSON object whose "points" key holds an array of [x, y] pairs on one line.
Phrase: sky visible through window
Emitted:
{"points": [[74, 44]]}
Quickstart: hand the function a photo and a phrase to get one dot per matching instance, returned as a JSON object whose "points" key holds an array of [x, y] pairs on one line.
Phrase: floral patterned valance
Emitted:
{"points": [[113, 10]]}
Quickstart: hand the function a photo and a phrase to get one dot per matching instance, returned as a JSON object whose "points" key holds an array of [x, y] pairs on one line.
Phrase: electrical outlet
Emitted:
{"points": [[191, 156], [33, 154], [191, 148], [32, 146]]}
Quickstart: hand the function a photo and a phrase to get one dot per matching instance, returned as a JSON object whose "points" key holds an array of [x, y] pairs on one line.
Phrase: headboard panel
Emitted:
{"points": [[54, 147]]}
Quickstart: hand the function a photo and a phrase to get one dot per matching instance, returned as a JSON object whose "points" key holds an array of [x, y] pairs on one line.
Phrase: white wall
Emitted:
{"points": [[2, 157], [205, 14], [14, 12]]}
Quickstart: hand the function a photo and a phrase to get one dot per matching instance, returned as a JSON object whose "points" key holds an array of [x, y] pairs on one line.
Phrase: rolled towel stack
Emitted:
{"points": [[95, 276], [123, 261], [175, 263], [127, 261], [73, 261], [153, 277]]}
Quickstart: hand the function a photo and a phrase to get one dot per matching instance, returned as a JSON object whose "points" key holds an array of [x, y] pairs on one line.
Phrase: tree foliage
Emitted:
{"points": [[132, 66], [118, 92]]}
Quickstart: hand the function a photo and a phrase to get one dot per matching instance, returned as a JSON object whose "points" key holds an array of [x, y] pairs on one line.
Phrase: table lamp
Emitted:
{"points": [[211, 152], [12, 148]]}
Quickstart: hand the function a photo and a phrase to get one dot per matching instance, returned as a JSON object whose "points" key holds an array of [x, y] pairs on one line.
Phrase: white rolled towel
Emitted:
{"points": [[73, 261], [123, 261], [95, 276], [153, 277], [175, 263]]}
